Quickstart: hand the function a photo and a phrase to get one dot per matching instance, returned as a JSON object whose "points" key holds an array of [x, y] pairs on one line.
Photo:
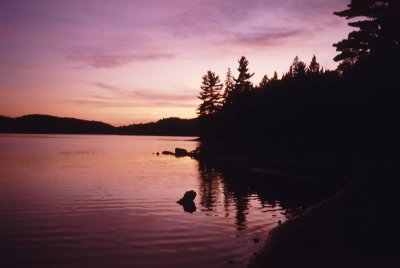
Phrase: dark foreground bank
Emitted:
{"points": [[358, 227]]}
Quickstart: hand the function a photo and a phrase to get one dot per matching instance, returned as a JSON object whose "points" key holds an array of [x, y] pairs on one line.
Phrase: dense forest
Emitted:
{"points": [[351, 109]]}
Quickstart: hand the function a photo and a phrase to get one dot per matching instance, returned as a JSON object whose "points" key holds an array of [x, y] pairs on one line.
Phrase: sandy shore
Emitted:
{"points": [[357, 227]]}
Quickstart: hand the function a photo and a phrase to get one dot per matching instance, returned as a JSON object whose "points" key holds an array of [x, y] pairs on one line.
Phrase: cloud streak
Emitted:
{"points": [[143, 94], [107, 87], [156, 95], [128, 104], [114, 96], [261, 37], [117, 60]]}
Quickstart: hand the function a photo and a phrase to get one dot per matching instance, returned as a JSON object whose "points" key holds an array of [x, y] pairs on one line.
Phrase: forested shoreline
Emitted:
{"points": [[352, 109]]}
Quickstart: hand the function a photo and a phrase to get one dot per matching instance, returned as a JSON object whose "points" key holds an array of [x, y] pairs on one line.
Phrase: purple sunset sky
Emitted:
{"points": [[135, 61]]}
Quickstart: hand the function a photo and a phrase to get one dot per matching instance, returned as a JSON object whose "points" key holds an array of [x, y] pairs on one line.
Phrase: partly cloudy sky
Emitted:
{"points": [[131, 61]]}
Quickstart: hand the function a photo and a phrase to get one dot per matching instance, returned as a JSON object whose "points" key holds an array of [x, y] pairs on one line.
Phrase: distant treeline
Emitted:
{"points": [[165, 127], [46, 124]]}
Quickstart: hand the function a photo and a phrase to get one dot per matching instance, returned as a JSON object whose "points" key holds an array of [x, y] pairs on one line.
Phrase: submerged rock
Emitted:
{"points": [[168, 153]]}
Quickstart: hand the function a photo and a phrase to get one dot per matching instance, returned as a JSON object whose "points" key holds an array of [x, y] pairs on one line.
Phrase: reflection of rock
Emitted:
{"points": [[189, 207], [187, 201]]}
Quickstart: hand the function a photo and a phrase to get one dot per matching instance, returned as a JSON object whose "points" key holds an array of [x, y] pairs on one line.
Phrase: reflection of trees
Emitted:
{"points": [[232, 186], [209, 186], [213, 183], [242, 205]]}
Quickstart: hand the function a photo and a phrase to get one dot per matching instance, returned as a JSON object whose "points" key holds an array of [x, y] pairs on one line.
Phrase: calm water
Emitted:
{"points": [[108, 201]]}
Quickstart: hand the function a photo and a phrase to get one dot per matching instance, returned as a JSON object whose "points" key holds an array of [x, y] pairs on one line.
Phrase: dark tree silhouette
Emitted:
{"points": [[229, 88], [290, 73], [298, 68], [314, 67], [378, 31], [243, 84], [264, 81], [210, 94], [275, 77]]}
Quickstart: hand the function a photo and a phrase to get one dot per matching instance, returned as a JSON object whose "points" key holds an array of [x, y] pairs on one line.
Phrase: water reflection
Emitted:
{"points": [[234, 190]]}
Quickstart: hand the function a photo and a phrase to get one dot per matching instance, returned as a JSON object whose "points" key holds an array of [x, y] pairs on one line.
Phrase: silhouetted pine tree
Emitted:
{"points": [[378, 31], [314, 67], [264, 81], [210, 94], [243, 84], [275, 77], [229, 88], [289, 74], [298, 68]]}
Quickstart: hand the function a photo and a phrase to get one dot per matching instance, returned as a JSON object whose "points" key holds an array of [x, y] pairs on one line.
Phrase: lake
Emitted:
{"points": [[110, 201]]}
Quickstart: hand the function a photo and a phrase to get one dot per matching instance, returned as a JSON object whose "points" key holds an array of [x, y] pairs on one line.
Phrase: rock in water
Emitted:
{"points": [[187, 201], [189, 196], [181, 152]]}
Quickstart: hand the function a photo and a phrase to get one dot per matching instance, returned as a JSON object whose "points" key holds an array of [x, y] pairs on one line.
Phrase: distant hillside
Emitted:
{"points": [[46, 124], [166, 127], [51, 124]]}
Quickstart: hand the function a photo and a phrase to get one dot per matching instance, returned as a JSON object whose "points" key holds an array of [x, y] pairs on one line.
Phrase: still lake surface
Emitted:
{"points": [[109, 201]]}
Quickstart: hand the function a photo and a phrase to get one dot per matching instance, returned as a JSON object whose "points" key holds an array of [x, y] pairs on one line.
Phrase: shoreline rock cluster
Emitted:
{"points": [[179, 152]]}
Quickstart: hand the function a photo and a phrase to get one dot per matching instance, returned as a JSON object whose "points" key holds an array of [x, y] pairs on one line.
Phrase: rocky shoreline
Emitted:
{"points": [[354, 228]]}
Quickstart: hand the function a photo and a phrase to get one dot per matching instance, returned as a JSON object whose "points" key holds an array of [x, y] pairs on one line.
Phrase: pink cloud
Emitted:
{"points": [[260, 38], [107, 87], [128, 104], [116, 60], [156, 95]]}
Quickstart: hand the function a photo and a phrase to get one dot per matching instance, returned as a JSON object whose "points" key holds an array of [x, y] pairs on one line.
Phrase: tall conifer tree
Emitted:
{"points": [[298, 68], [314, 67], [378, 32], [243, 84], [229, 88], [264, 81], [210, 94], [275, 77]]}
